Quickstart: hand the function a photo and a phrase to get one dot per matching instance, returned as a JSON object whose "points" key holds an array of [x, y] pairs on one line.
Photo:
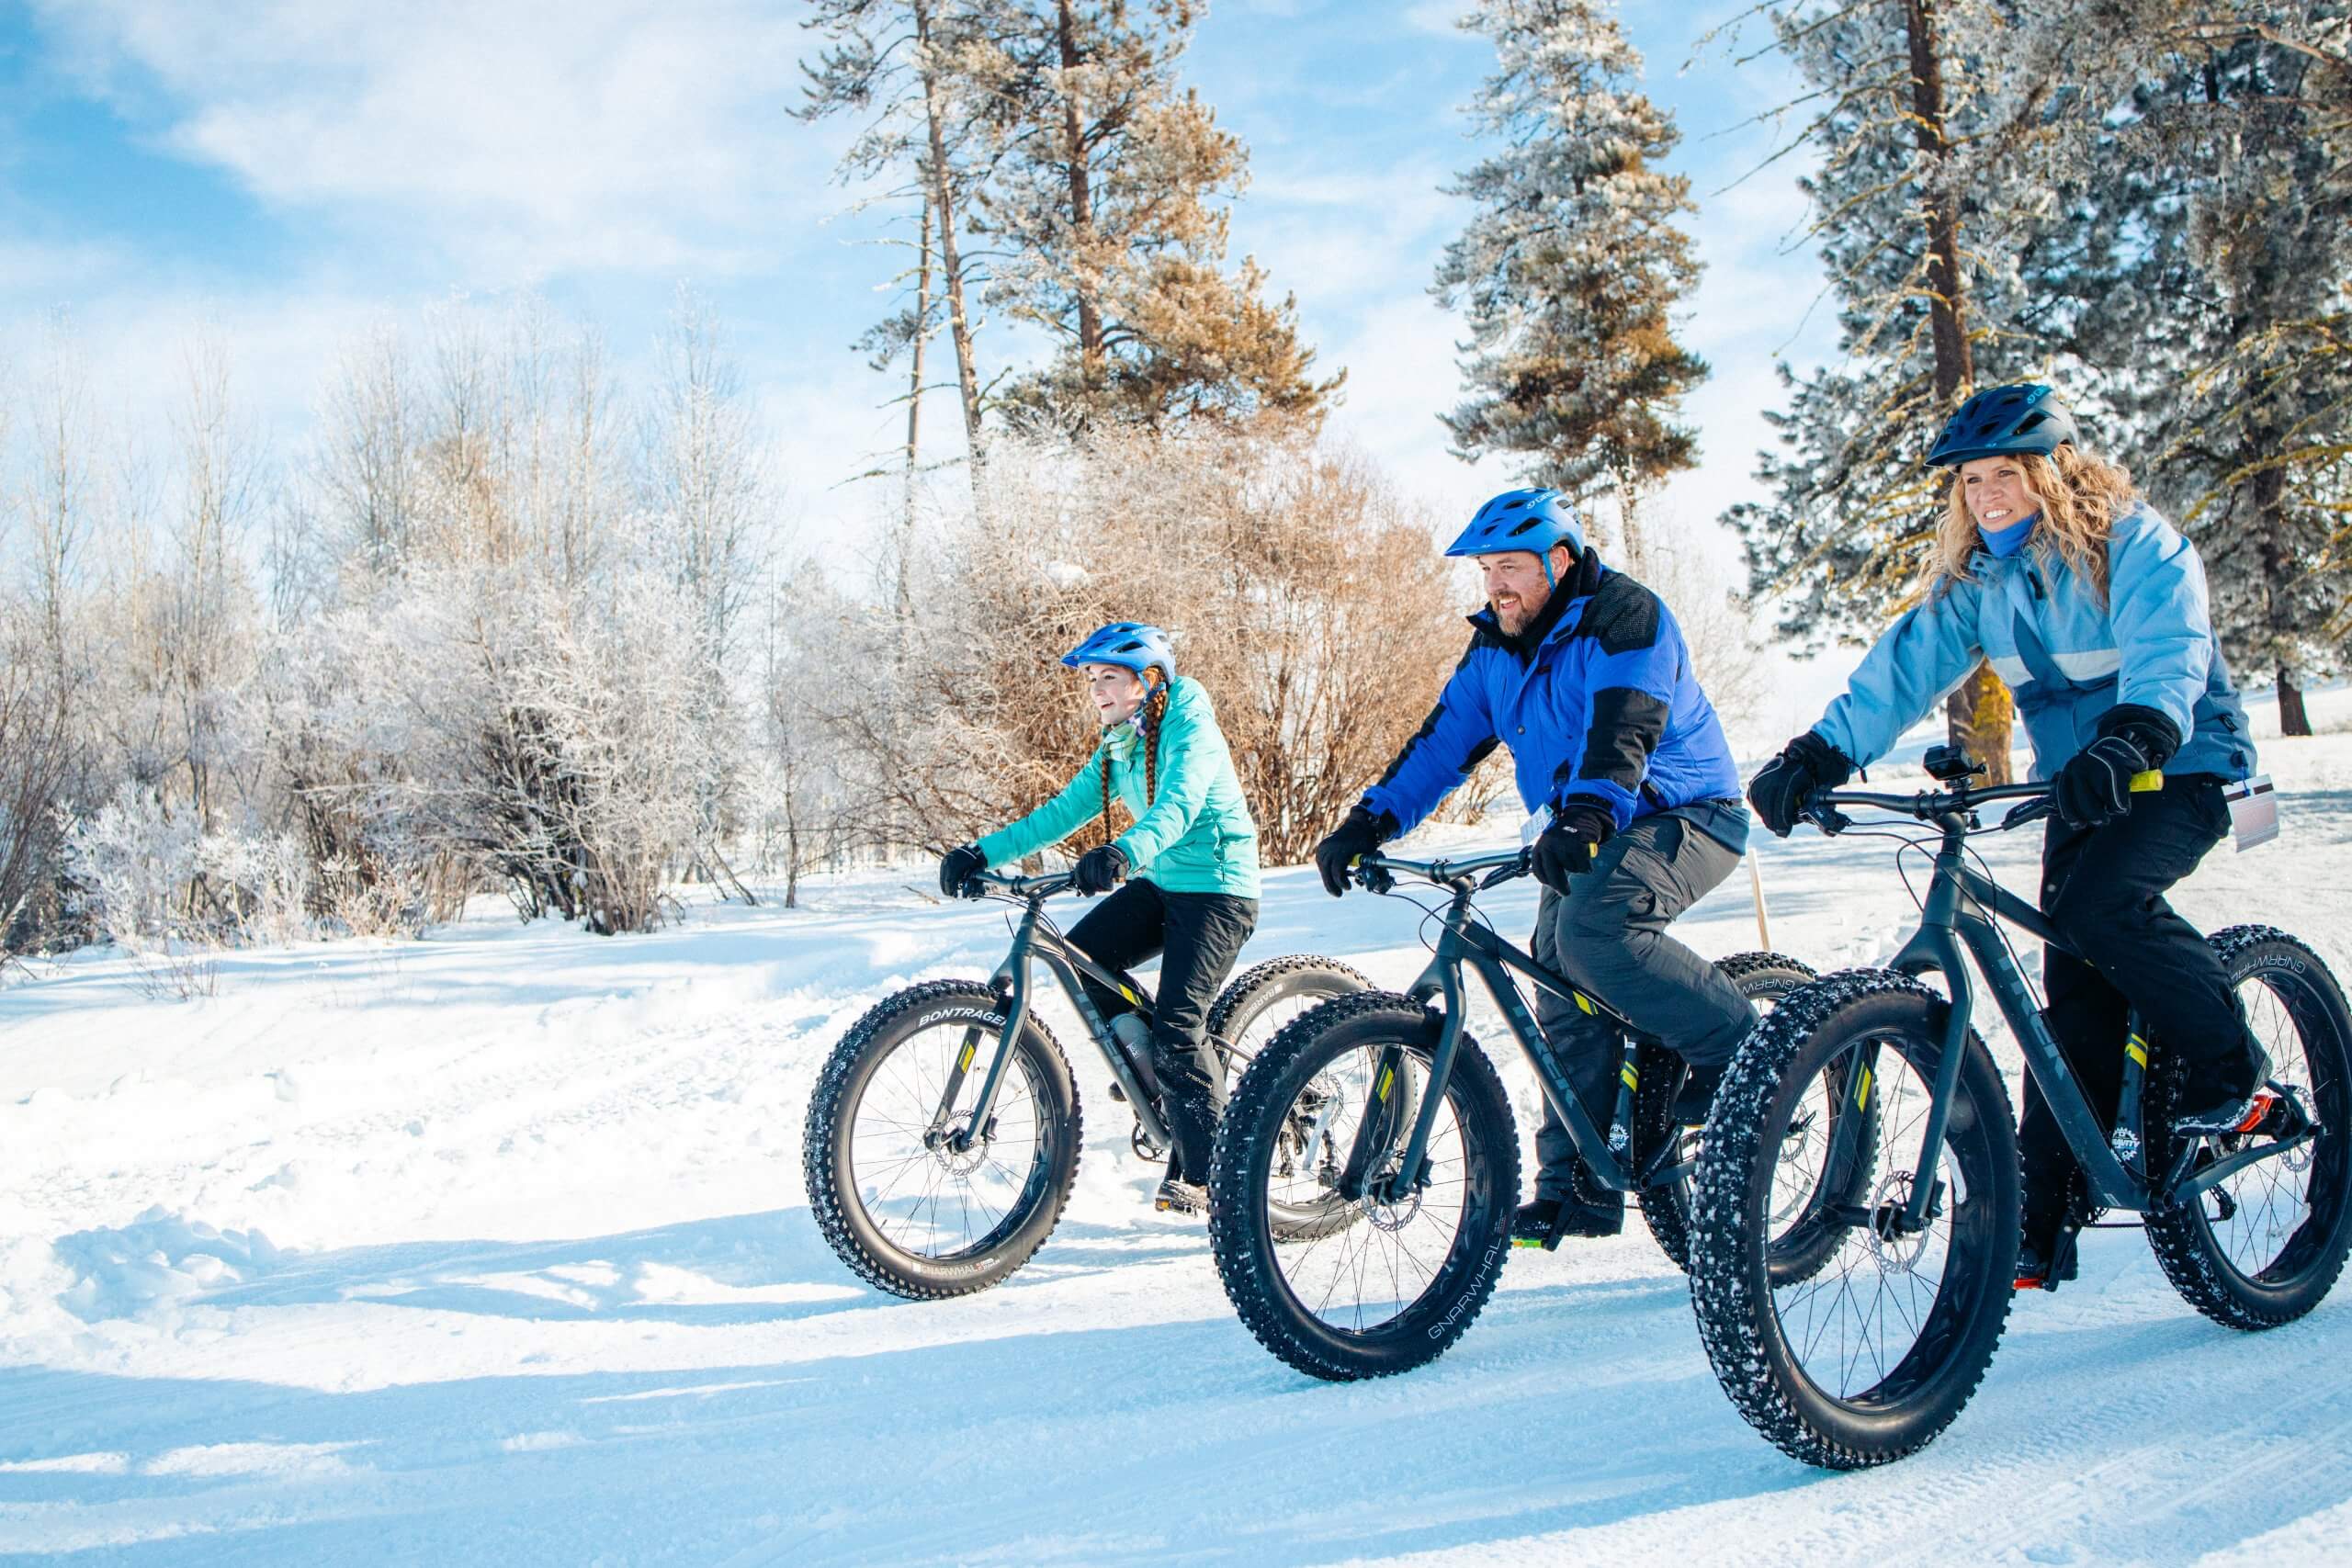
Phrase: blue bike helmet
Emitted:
{"points": [[2028, 417], [1522, 520], [1129, 644]]}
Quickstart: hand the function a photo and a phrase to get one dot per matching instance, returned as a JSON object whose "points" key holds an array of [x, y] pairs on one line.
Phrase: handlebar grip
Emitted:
{"points": [[2148, 782]]}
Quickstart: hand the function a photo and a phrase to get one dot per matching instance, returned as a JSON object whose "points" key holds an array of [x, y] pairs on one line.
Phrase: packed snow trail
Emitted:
{"points": [[492, 1247]]}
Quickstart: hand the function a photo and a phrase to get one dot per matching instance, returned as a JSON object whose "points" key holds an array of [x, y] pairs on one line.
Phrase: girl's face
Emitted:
{"points": [[1998, 492], [1116, 691]]}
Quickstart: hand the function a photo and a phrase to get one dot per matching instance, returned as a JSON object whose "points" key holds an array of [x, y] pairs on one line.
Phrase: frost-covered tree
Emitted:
{"points": [[903, 65], [1107, 208], [2204, 160], [1918, 241], [1575, 261]]}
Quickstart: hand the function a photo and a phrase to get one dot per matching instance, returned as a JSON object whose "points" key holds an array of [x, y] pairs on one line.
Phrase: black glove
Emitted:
{"points": [[1567, 846], [1362, 832], [1101, 868], [958, 866], [2094, 786], [1804, 764]]}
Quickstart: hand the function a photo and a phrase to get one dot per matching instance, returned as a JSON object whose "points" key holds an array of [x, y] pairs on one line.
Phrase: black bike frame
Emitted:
{"points": [[1958, 911], [1034, 941], [1464, 942]]}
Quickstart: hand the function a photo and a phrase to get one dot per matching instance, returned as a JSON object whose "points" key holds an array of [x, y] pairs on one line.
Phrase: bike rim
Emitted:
{"points": [[1364, 1277], [932, 1202], [1874, 1321], [2262, 1222]]}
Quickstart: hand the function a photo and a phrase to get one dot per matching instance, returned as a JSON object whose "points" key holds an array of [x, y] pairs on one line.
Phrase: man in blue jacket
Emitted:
{"points": [[1584, 674]]}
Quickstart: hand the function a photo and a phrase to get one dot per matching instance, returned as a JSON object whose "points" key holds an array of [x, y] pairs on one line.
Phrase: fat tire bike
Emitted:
{"points": [[942, 1135], [1407, 1127], [1870, 1357]]}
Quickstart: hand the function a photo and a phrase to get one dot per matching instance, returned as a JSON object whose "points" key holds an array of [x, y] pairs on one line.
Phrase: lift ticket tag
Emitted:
{"points": [[1532, 829], [2254, 811]]}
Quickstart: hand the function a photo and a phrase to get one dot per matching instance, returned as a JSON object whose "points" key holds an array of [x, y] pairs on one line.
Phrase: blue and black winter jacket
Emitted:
{"points": [[1604, 707], [2068, 654]]}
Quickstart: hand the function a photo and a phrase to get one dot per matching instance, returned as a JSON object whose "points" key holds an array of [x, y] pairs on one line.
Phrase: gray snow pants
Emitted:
{"points": [[1607, 933]]}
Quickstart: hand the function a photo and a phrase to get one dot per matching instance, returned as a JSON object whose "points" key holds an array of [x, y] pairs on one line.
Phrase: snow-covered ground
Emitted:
{"points": [[491, 1248]]}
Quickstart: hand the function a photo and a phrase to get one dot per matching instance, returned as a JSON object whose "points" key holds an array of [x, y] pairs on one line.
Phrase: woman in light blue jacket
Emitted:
{"points": [[1189, 861], [2093, 609]]}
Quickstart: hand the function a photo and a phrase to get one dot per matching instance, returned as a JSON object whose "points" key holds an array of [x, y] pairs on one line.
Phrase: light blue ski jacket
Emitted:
{"points": [[2068, 657]]}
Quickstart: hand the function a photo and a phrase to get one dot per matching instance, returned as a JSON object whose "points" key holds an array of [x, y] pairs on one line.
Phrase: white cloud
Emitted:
{"points": [[1443, 16], [522, 140]]}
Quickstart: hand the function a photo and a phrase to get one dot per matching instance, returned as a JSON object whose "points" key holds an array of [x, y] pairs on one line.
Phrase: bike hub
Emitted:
{"points": [[1896, 1242]]}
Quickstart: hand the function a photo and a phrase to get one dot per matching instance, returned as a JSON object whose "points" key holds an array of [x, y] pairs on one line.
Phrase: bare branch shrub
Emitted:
{"points": [[1304, 593]]}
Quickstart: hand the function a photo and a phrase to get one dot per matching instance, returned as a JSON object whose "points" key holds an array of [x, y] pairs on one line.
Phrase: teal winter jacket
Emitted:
{"points": [[1194, 836]]}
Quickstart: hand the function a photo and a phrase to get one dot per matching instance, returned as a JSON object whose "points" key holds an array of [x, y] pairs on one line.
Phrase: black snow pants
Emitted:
{"points": [[1197, 937], [1607, 933], [2103, 889]]}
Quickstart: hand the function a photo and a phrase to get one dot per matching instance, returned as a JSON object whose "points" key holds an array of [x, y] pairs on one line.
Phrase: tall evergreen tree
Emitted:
{"points": [[2205, 158], [1106, 208], [1920, 241], [899, 62], [1572, 265]]}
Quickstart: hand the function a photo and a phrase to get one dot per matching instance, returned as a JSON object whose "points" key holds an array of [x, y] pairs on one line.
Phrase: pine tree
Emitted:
{"points": [[1920, 241], [1105, 206], [2208, 160], [898, 61], [1575, 261]]}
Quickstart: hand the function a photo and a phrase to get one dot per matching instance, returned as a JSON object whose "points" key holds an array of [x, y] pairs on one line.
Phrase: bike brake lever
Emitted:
{"points": [[2026, 811], [1828, 819], [1372, 877], [1503, 874]]}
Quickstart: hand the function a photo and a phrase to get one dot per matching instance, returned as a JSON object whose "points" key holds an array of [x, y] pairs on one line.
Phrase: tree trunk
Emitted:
{"points": [[914, 413], [2293, 719], [1081, 203], [943, 205], [1978, 718], [2278, 571], [1979, 715]]}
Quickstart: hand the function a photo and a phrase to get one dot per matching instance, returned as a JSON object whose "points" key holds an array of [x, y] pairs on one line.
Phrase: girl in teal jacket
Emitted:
{"points": [[1189, 866]]}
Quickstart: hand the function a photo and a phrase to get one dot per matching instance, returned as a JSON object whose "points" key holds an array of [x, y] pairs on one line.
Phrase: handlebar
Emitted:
{"points": [[1821, 808], [1374, 870], [981, 884]]}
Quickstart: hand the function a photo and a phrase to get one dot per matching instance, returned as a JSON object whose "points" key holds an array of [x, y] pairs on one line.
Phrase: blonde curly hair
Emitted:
{"points": [[2083, 496]]}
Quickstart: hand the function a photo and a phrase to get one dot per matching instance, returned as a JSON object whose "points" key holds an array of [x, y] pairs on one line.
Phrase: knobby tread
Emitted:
{"points": [[2173, 1235], [1247, 1120], [1722, 1295], [1237, 989], [820, 1141], [1662, 1207]]}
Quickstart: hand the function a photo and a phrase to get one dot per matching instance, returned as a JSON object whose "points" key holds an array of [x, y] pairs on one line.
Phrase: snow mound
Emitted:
{"points": [[158, 1261]]}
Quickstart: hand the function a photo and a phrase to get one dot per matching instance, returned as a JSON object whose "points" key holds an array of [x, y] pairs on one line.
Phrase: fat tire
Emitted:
{"points": [[1731, 1273], [1244, 998], [1658, 1073], [1247, 1262], [833, 1108], [2182, 1242], [1277, 980]]}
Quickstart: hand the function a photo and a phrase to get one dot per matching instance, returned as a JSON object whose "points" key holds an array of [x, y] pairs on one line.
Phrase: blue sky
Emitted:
{"points": [[285, 172]]}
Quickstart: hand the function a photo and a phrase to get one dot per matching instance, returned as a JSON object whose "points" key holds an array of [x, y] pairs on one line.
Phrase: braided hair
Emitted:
{"points": [[1155, 710]]}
